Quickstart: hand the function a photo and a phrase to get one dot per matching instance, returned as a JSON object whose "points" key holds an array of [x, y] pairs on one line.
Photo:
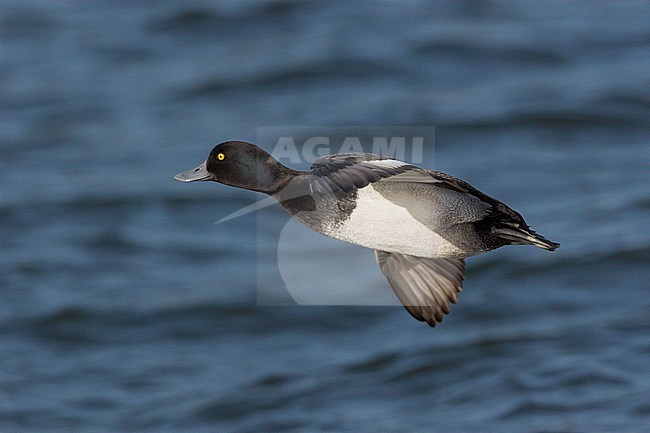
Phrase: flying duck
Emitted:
{"points": [[420, 223]]}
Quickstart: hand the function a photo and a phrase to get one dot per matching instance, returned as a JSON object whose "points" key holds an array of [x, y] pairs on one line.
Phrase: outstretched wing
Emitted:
{"points": [[425, 286], [346, 172]]}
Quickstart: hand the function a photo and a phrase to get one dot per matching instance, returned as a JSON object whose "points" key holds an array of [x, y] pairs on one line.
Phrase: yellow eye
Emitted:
{"points": [[221, 157]]}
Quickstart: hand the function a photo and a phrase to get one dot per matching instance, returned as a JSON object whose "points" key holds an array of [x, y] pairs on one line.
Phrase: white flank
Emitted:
{"points": [[380, 224]]}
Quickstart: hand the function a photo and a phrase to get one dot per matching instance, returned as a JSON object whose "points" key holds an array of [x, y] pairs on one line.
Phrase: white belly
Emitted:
{"points": [[380, 224]]}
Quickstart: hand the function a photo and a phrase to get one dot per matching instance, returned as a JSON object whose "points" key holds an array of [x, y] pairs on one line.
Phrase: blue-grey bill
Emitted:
{"points": [[198, 173]]}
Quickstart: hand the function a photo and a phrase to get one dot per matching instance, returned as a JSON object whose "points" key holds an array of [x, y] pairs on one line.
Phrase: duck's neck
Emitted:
{"points": [[272, 177], [296, 186], [296, 197], [280, 181]]}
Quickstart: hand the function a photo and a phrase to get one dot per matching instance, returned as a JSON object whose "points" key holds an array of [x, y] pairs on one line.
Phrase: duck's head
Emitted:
{"points": [[240, 164]]}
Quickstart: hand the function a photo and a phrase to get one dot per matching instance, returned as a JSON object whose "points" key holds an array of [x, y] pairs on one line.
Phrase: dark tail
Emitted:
{"points": [[524, 236]]}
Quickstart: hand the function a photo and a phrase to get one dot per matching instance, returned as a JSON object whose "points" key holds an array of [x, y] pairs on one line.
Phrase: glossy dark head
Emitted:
{"points": [[240, 164]]}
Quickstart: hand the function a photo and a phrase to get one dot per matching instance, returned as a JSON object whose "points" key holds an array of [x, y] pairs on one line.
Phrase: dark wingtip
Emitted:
{"points": [[544, 243], [525, 236], [554, 246]]}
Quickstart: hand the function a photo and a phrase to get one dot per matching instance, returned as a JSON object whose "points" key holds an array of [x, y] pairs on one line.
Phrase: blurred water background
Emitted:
{"points": [[124, 308]]}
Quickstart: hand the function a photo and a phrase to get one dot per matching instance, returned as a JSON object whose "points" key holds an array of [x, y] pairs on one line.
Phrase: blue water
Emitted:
{"points": [[125, 308]]}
